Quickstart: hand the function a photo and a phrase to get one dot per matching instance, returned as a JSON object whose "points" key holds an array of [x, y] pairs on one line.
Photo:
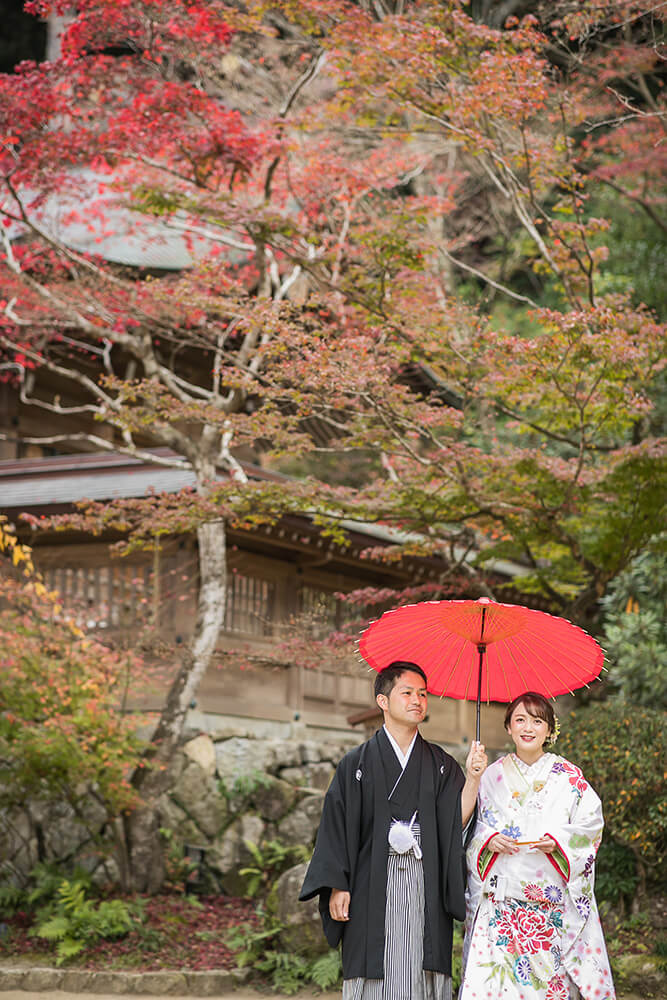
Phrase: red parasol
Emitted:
{"points": [[481, 649]]}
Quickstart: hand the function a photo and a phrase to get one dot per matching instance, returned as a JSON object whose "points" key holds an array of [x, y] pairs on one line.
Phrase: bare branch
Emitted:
{"points": [[225, 457], [71, 374], [104, 445], [310, 73], [487, 279]]}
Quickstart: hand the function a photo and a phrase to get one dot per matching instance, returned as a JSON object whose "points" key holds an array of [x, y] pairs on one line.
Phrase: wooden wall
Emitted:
{"points": [[266, 667]]}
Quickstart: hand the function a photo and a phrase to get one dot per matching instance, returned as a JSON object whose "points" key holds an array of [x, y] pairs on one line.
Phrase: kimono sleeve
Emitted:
{"points": [[333, 857], [579, 837], [489, 822]]}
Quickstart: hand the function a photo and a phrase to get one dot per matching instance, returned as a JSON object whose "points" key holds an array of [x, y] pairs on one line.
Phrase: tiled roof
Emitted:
{"points": [[89, 214], [63, 480], [66, 479]]}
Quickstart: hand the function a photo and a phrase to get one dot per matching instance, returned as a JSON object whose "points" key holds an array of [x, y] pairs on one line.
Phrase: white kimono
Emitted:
{"points": [[532, 925]]}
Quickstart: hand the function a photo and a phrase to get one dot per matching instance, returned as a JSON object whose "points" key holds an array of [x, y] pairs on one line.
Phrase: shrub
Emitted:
{"points": [[621, 750], [616, 874]]}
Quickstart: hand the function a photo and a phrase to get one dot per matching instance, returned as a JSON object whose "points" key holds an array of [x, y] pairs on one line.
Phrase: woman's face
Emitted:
{"points": [[528, 733]]}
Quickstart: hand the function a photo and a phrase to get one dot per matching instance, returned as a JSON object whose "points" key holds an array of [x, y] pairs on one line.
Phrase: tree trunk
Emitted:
{"points": [[144, 846]]}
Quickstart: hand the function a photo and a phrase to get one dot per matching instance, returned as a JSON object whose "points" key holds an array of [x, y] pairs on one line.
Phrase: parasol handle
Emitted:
{"points": [[481, 648]]}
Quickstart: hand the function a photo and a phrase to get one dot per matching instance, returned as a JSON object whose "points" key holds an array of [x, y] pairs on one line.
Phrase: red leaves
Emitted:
{"points": [[427, 156], [185, 129], [91, 108]]}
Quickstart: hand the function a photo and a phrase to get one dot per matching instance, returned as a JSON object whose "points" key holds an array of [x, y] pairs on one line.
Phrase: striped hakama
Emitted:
{"points": [[404, 975]]}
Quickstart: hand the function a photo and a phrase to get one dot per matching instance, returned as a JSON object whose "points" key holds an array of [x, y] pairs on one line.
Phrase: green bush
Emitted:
{"points": [[635, 628], [621, 750], [616, 875]]}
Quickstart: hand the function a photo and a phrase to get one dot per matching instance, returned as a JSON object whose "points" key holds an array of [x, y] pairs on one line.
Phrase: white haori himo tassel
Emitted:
{"points": [[402, 838]]}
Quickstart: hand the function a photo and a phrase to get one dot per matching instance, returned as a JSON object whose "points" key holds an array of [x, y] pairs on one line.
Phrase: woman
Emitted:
{"points": [[532, 926]]}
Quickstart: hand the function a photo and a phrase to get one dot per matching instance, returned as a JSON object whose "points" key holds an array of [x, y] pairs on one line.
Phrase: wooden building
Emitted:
{"points": [[269, 675]]}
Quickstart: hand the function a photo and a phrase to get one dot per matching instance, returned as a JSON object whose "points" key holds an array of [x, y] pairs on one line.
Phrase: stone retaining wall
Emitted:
{"points": [[224, 790], [172, 983]]}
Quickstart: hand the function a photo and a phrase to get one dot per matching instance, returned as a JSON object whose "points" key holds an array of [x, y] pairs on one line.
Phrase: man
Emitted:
{"points": [[389, 865]]}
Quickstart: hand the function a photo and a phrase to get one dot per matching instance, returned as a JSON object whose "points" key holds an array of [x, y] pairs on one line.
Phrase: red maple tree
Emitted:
{"points": [[330, 172]]}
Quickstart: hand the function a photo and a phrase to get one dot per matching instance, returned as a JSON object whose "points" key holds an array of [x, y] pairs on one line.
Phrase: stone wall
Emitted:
{"points": [[225, 790], [228, 791]]}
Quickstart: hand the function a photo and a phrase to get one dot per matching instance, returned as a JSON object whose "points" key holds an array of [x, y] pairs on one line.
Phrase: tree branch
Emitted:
{"points": [[487, 279], [105, 445]]}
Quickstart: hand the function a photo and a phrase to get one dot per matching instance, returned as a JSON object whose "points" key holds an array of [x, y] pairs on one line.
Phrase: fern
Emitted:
{"points": [[67, 948], [73, 920], [47, 879], [287, 971], [11, 899], [53, 929], [327, 970], [72, 895]]}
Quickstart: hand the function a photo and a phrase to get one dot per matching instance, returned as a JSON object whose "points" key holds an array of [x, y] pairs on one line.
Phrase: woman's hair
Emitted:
{"points": [[536, 705], [388, 676]]}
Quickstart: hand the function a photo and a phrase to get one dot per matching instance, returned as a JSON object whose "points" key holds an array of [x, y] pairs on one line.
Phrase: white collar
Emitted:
{"points": [[403, 758]]}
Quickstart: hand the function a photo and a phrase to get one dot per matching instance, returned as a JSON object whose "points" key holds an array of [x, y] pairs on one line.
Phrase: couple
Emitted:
{"points": [[389, 862]]}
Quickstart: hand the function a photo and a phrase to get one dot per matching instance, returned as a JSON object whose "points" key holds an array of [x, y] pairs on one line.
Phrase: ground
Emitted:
{"points": [[176, 931]]}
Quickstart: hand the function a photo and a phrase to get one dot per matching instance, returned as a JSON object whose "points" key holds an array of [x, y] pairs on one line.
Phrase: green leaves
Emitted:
{"points": [[73, 921], [287, 972], [271, 858], [621, 748]]}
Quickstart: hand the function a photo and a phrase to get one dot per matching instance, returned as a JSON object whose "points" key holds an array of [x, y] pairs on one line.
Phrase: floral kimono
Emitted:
{"points": [[532, 925]]}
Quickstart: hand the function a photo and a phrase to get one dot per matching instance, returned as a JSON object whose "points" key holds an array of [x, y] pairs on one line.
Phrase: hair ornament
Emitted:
{"points": [[556, 732]]}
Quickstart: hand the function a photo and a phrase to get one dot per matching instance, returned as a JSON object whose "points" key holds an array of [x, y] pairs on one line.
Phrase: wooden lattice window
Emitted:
{"points": [[321, 612], [250, 605], [103, 596]]}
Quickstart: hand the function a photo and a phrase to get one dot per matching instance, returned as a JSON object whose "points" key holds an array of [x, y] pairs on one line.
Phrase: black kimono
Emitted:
{"points": [[351, 849]]}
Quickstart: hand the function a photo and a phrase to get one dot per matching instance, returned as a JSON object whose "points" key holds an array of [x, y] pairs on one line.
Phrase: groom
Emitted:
{"points": [[389, 865]]}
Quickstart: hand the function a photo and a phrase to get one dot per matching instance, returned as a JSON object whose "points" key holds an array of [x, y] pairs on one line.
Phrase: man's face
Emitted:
{"points": [[406, 702]]}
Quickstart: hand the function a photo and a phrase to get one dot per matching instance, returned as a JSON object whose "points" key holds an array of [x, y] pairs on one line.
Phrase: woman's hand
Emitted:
{"points": [[500, 843], [546, 844], [339, 904]]}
